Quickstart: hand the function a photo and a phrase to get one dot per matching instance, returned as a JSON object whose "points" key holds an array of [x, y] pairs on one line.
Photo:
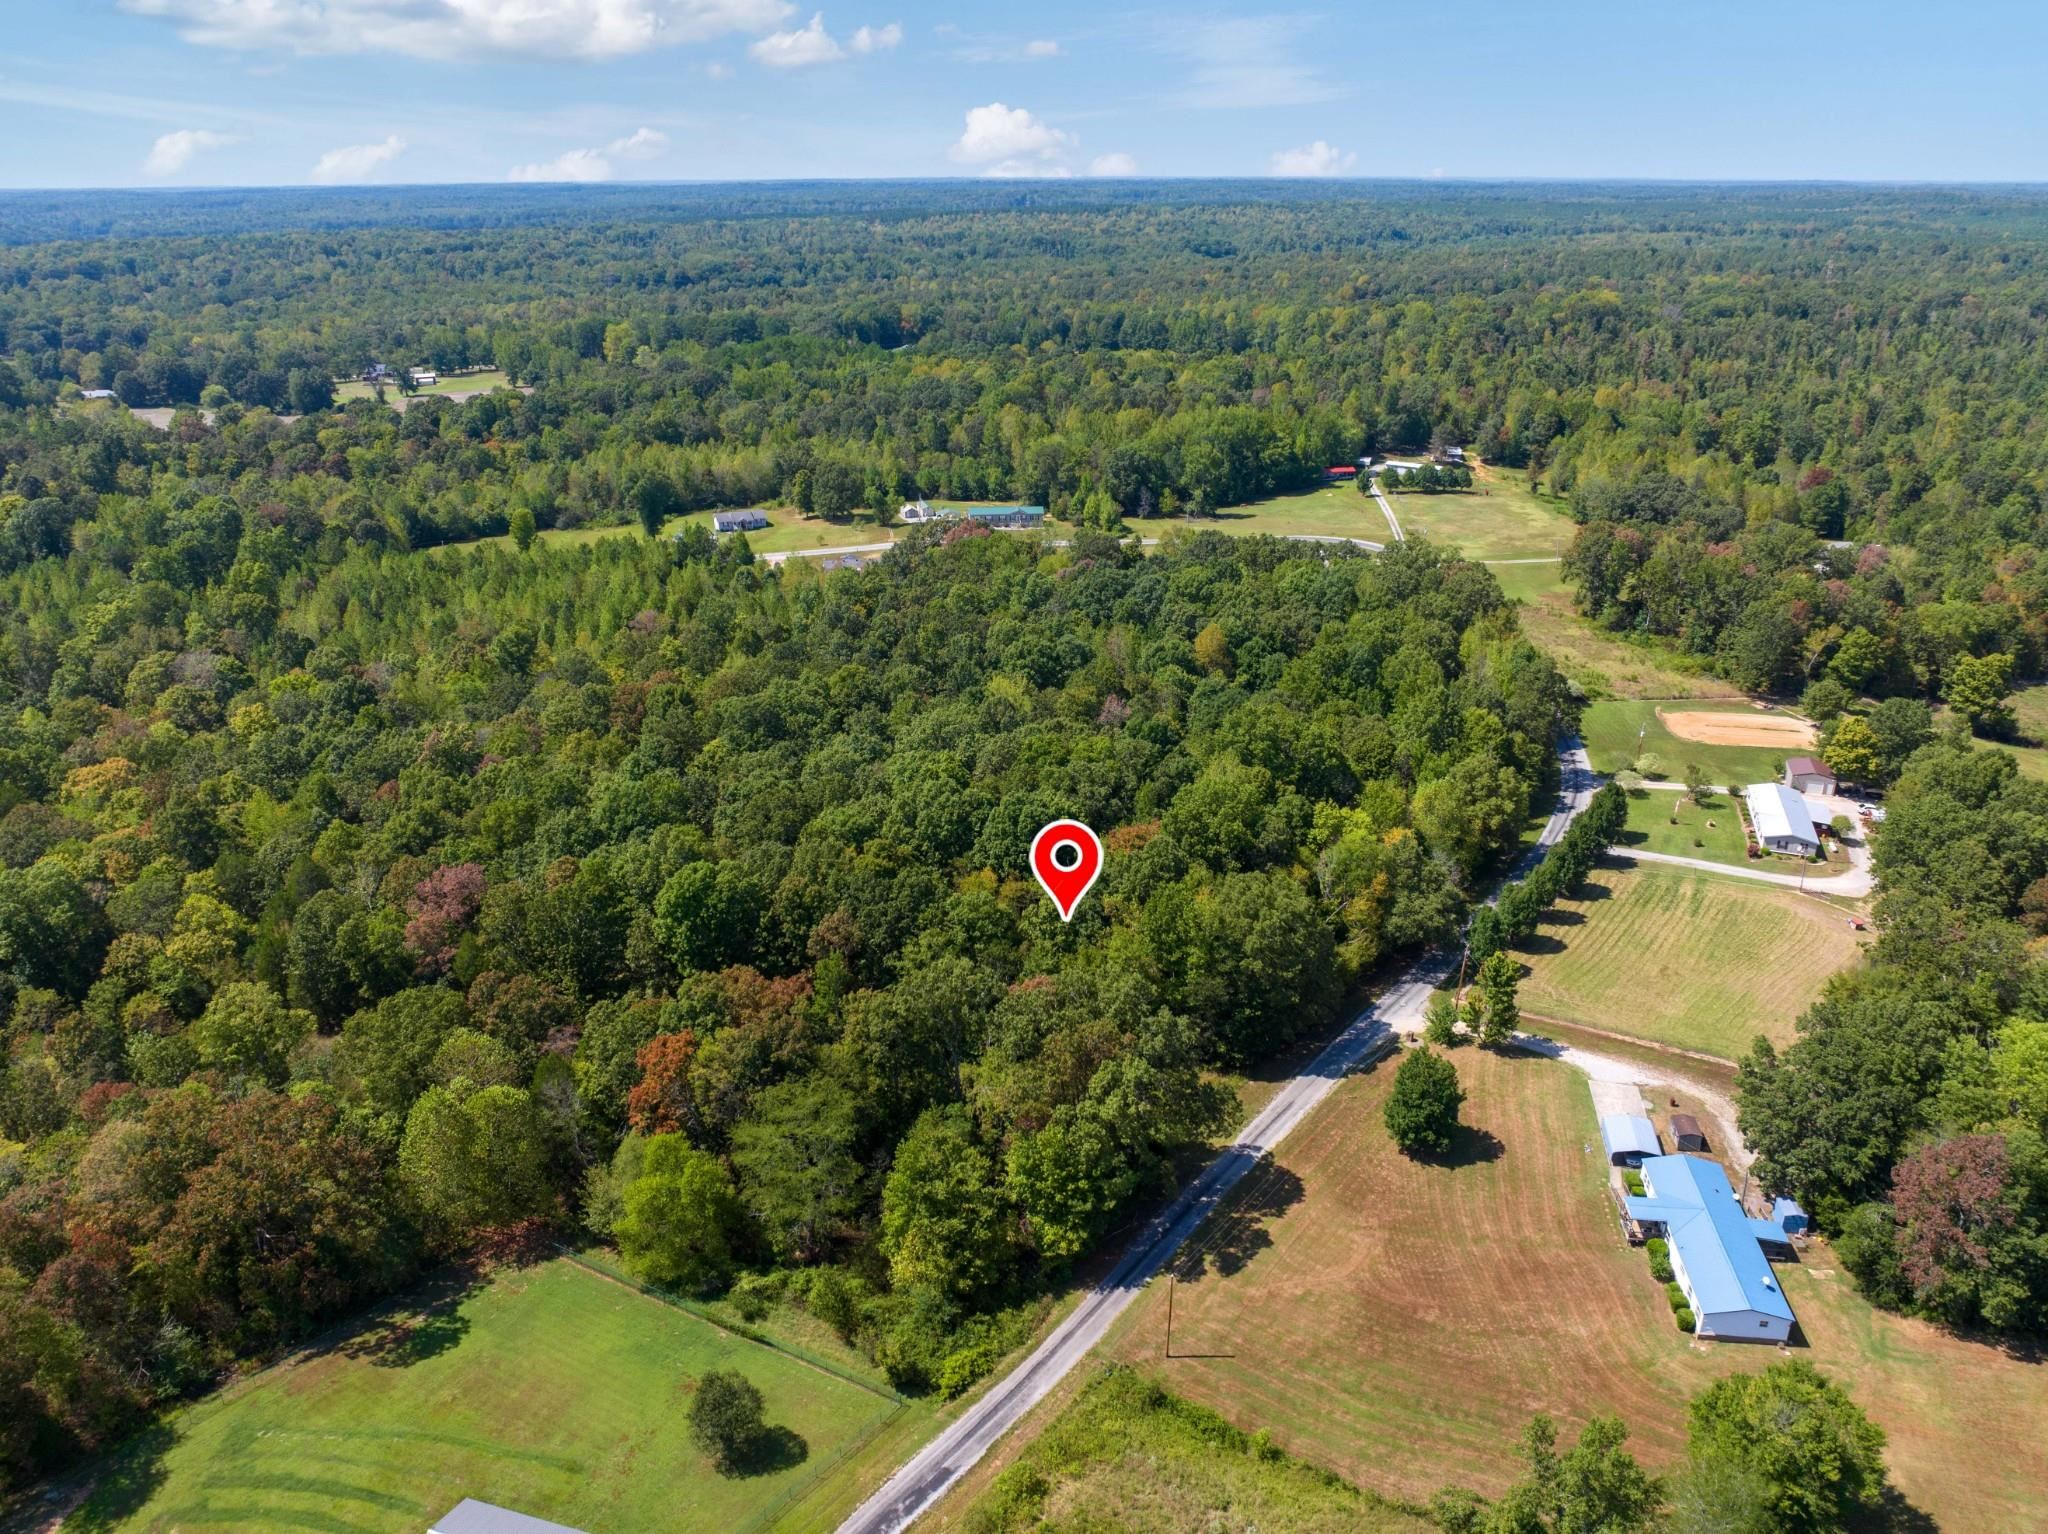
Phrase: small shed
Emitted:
{"points": [[1629, 1138], [425, 378], [1808, 775], [1686, 1133], [1341, 471], [1790, 1218], [470, 1516]]}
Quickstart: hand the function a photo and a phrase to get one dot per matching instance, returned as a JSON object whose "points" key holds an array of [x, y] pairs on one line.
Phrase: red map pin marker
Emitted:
{"points": [[1066, 856]]}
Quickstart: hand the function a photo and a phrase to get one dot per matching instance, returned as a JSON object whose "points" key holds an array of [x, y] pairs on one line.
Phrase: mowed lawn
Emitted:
{"points": [[1611, 730], [450, 383], [1661, 820], [550, 1390], [1498, 518], [1681, 956], [1329, 511], [1399, 1323]]}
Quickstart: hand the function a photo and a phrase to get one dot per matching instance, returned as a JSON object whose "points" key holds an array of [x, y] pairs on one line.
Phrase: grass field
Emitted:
{"points": [[1605, 665], [1611, 729], [1329, 511], [1498, 518], [458, 383], [1712, 831], [1128, 1455], [1399, 1323], [549, 1389], [1681, 956]]}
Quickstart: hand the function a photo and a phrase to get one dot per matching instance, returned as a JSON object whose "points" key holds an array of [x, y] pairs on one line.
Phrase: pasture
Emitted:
{"points": [[548, 1389], [1681, 956], [1749, 748], [1605, 665], [1398, 1322]]}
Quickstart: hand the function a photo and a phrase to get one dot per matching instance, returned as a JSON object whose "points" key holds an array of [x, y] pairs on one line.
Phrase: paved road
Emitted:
{"points": [[1398, 1010], [1853, 885]]}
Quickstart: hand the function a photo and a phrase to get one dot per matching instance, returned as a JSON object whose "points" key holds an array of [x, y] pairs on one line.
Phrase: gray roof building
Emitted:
{"points": [[470, 1516]]}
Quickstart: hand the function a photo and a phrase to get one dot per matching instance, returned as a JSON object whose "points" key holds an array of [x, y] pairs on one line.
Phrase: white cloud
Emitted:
{"points": [[1042, 48], [878, 39], [718, 70], [1118, 164], [173, 152], [355, 162], [593, 164], [1034, 170], [571, 165], [794, 50], [1248, 61], [1005, 138], [1003, 50], [592, 29], [641, 144], [1317, 159]]}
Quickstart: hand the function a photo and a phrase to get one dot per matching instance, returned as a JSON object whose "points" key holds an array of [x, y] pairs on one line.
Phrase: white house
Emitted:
{"points": [[918, 511], [1717, 1251], [750, 520], [95, 393], [1779, 820]]}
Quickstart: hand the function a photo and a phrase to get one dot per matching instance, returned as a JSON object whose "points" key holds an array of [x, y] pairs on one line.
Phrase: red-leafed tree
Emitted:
{"points": [[1952, 1200], [441, 907], [662, 1101]]}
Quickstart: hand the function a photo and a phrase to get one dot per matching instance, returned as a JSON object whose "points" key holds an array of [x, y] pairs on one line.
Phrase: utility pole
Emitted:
{"points": [[1169, 1315]]}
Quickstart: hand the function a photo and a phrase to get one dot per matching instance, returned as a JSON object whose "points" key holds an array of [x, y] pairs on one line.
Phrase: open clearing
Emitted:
{"points": [[1399, 1322], [456, 386], [1128, 1455], [1681, 956], [1498, 518], [1603, 664], [1330, 511], [1611, 730], [1722, 728], [548, 1389]]}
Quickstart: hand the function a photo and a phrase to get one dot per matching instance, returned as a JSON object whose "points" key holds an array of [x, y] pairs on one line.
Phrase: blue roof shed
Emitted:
{"points": [[1629, 1137], [1790, 1217]]}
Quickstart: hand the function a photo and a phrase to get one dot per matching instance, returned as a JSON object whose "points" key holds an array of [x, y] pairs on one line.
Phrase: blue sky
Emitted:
{"points": [[266, 92]]}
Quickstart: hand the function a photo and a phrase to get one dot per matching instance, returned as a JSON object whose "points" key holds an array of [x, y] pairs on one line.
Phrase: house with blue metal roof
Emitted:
{"points": [[1629, 1137], [1717, 1251]]}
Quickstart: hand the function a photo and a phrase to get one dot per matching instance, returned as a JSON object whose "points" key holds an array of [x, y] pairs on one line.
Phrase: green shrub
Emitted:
{"points": [[1659, 1251], [1675, 1295], [1684, 1317], [753, 1295], [1633, 1181]]}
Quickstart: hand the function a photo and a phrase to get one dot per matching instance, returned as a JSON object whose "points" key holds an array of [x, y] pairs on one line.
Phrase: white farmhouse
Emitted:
{"points": [[1779, 819]]}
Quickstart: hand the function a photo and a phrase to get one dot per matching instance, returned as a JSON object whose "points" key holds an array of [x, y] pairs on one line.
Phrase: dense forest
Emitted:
{"points": [[362, 897]]}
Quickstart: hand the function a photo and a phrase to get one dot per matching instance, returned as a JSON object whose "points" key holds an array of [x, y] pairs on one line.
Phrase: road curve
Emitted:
{"points": [[932, 1471]]}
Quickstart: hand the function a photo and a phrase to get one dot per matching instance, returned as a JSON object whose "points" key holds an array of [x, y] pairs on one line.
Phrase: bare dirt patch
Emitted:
{"points": [[1715, 728]]}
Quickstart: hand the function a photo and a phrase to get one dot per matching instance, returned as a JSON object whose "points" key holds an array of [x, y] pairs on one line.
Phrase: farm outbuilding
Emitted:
{"points": [[1789, 1217], [1629, 1138], [1808, 775], [470, 1516], [1686, 1134], [1717, 1251], [1779, 820]]}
